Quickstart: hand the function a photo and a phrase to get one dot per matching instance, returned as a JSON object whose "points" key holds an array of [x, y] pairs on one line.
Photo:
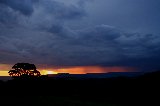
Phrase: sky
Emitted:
{"points": [[80, 36]]}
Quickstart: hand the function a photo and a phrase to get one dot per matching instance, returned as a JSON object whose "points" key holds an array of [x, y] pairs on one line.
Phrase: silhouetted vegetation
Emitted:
{"points": [[24, 70]]}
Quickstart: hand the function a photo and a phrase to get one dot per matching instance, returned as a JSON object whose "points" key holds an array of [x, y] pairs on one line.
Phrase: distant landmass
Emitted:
{"points": [[5, 78], [96, 75], [88, 75]]}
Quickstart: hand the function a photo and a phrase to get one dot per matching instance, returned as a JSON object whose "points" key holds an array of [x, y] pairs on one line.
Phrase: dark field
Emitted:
{"points": [[89, 92], [50, 101]]}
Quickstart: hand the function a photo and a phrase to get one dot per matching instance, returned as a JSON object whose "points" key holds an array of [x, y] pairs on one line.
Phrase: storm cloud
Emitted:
{"points": [[23, 6], [37, 31]]}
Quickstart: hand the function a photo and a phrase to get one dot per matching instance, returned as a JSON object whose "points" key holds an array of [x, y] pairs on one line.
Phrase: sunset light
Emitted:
{"points": [[51, 72], [45, 72], [84, 70], [72, 69]]}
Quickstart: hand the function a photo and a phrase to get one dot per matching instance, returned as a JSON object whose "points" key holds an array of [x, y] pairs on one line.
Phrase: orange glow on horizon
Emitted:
{"points": [[86, 69], [4, 68], [45, 72]]}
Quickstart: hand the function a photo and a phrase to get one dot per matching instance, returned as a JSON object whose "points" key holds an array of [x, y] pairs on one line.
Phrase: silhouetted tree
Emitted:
{"points": [[20, 69], [14, 73]]}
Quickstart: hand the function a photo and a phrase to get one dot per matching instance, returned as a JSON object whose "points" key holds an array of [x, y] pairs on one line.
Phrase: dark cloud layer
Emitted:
{"points": [[23, 6], [38, 34]]}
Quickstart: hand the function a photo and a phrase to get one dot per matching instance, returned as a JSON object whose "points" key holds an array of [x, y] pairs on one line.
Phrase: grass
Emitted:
{"points": [[50, 101]]}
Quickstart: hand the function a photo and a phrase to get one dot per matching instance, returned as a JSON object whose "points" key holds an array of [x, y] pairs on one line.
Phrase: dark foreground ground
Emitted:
{"points": [[138, 91]]}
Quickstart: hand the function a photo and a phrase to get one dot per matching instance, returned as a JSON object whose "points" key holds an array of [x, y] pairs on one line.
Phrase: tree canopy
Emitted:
{"points": [[20, 69]]}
